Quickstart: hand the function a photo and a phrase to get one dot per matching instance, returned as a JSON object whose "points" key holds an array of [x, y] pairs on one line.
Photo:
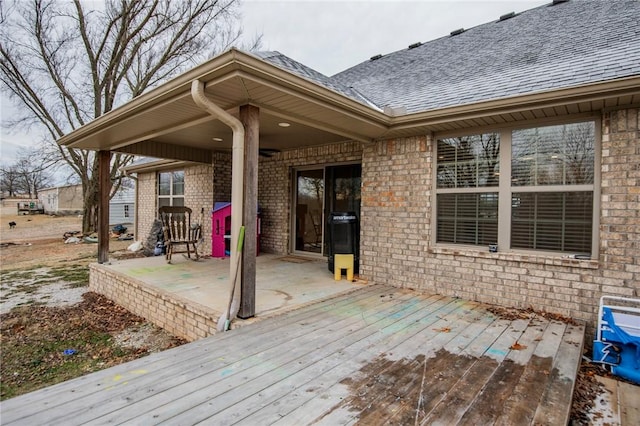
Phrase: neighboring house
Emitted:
{"points": [[62, 200], [66, 200], [122, 207], [497, 164]]}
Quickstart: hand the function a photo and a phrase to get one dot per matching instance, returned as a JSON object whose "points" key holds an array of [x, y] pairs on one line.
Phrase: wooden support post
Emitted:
{"points": [[104, 188], [250, 118]]}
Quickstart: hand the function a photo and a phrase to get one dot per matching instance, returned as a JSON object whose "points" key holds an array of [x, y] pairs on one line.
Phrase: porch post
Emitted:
{"points": [[104, 188], [250, 118]]}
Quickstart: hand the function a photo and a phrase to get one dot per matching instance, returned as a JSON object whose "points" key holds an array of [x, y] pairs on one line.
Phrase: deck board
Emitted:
{"points": [[196, 354], [629, 397], [450, 408], [330, 370], [562, 377], [378, 355], [180, 380], [520, 406], [215, 391], [326, 401]]}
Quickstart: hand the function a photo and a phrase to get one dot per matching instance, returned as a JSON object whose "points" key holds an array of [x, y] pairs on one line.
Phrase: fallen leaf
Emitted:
{"points": [[442, 330], [517, 347]]}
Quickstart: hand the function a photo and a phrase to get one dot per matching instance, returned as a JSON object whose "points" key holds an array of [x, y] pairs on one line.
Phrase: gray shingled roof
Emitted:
{"points": [[282, 61], [549, 47]]}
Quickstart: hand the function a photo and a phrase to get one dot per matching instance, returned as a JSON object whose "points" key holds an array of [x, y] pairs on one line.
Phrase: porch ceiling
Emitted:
{"points": [[168, 114], [166, 123]]}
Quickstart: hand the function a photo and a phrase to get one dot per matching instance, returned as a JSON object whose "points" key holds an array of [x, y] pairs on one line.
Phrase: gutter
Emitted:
{"points": [[154, 166], [518, 103], [231, 63], [235, 63], [157, 95], [237, 193]]}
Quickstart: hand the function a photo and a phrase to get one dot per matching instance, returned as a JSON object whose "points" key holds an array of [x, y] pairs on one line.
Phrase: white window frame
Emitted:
{"points": [[505, 190], [171, 196]]}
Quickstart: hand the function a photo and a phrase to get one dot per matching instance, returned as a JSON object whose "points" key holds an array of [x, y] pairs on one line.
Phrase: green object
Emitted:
{"points": [[241, 239], [227, 323]]}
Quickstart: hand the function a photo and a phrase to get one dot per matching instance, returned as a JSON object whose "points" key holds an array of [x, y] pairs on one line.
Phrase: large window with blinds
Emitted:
{"points": [[467, 182], [527, 189]]}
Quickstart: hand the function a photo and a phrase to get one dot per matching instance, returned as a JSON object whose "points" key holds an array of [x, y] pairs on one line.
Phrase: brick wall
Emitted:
{"points": [[182, 318], [275, 187], [145, 205], [396, 231], [396, 236], [620, 206], [222, 176], [198, 195], [396, 179], [201, 188]]}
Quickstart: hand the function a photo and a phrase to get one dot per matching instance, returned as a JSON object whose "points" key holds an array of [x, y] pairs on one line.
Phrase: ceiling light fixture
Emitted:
{"points": [[284, 124], [217, 139]]}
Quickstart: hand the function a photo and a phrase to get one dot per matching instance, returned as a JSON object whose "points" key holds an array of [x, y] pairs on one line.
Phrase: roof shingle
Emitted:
{"points": [[549, 47]]}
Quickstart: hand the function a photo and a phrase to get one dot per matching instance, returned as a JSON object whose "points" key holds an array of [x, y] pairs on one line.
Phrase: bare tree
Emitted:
{"points": [[9, 180], [30, 173], [68, 62], [33, 173]]}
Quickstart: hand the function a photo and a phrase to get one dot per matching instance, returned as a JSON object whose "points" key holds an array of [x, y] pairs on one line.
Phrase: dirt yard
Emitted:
{"points": [[52, 327], [37, 240]]}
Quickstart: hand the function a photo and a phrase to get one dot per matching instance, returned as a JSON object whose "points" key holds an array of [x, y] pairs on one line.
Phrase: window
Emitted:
{"points": [[171, 188], [546, 188], [467, 181]]}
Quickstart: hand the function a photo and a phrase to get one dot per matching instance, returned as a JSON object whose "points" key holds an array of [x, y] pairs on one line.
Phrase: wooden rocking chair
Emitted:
{"points": [[178, 231]]}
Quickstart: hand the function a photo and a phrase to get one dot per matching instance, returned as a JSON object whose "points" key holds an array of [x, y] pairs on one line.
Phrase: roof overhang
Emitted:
{"points": [[167, 116], [551, 104], [166, 123]]}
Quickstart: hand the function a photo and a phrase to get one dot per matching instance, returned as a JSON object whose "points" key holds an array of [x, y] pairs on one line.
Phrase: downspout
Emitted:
{"points": [[237, 192]]}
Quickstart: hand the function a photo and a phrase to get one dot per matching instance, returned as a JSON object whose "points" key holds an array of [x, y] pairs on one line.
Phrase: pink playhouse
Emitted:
{"points": [[221, 230]]}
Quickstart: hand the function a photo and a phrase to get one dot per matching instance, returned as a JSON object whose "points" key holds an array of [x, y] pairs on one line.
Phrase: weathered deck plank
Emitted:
{"points": [[157, 367], [379, 355], [520, 406], [324, 393], [201, 397], [562, 378], [457, 400], [629, 403], [330, 369], [431, 380], [179, 381], [197, 353], [489, 404]]}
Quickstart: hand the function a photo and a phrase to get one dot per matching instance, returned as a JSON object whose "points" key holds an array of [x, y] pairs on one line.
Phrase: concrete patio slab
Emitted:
{"points": [[187, 297]]}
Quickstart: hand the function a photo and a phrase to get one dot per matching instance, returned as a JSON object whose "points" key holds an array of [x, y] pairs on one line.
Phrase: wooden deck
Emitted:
{"points": [[378, 355]]}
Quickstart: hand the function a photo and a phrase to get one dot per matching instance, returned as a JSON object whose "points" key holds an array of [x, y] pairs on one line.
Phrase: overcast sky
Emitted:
{"points": [[331, 36]]}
